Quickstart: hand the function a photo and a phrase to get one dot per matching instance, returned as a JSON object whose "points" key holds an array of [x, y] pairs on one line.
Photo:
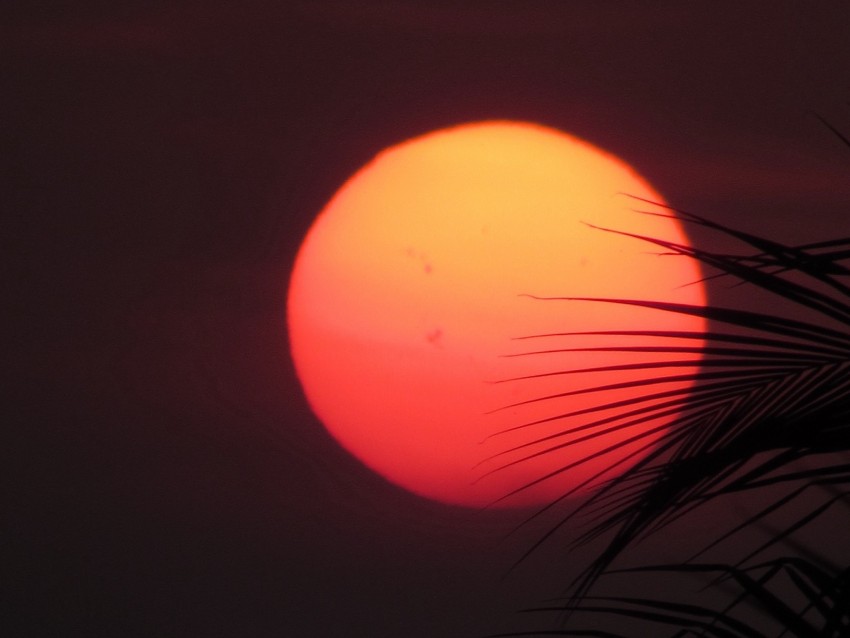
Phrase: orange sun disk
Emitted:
{"points": [[413, 284]]}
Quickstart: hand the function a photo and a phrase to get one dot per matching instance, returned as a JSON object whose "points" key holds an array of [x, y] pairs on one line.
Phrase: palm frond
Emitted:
{"points": [[771, 390], [766, 412], [801, 598]]}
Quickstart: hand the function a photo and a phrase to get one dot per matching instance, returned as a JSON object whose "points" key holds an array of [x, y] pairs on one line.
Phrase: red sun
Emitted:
{"points": [[417, 278]]}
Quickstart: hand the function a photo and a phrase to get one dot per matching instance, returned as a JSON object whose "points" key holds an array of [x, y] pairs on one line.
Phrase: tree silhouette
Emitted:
{"points": [[768, 414]]}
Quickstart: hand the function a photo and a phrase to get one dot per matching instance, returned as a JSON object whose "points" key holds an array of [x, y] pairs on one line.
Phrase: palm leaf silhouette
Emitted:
{"points": [[800, 597], [773, 390]]}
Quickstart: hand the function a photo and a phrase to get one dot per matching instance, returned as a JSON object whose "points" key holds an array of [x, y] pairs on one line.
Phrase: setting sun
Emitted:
{"points": [[416, 281]]}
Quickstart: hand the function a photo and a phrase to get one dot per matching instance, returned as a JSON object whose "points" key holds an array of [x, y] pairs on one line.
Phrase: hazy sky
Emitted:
{"points": [[161, 163]]}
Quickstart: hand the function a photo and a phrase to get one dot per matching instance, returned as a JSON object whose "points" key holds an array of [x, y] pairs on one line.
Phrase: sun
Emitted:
{"points": [[414, 285]]}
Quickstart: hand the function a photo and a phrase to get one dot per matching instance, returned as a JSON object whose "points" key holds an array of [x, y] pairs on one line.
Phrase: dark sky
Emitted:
{"points": [[161, 162]]}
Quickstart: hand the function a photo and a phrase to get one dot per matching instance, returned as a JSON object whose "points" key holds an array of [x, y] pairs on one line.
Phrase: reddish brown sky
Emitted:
{"points": [[161, 163]]}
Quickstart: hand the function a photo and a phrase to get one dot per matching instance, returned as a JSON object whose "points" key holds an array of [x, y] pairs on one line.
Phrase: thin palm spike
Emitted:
{"points": [[750, 375], [743, 318], [791, 290], [652, 412], [707, 336]]}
